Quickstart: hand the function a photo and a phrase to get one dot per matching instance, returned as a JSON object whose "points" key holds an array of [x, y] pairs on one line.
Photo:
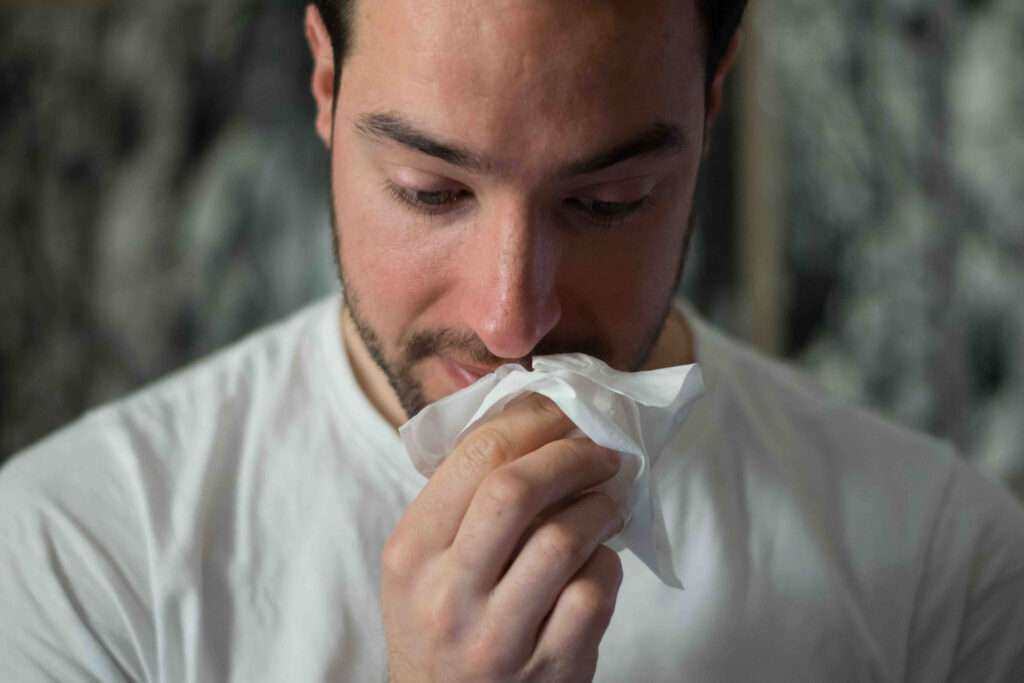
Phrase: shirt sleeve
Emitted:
{"points": [[968, 625], [72, 605]]}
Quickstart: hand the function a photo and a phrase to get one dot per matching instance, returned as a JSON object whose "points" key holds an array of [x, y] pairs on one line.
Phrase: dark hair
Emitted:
{"points": [[722, 19]]}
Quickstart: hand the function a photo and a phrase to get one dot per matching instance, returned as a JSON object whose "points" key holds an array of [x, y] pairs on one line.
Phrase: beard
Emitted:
{"points": [[418, 346]]}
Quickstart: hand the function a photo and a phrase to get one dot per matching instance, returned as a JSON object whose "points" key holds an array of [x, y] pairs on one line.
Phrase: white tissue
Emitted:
{"points": [[633, 413]]}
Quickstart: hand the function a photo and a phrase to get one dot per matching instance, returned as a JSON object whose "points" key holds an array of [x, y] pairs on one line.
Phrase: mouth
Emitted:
{"points": [[462, 375]]}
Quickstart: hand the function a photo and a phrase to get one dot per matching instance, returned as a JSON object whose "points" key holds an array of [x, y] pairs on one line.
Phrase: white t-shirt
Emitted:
{"points": [[226, 523]]}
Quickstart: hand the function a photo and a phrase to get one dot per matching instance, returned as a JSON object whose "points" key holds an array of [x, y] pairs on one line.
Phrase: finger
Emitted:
{"points": [[552, 555], [510, 499], [584, 609], [433, 518]]}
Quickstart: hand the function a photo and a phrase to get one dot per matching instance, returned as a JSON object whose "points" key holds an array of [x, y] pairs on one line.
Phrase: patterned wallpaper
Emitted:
{"points": [[162, 193]]}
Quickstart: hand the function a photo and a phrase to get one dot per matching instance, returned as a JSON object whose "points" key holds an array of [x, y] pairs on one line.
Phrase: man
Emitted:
{"points": [[509, 179]]}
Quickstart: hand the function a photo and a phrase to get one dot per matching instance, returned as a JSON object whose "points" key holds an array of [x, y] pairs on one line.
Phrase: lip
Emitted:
{"points": [[462, 375]]}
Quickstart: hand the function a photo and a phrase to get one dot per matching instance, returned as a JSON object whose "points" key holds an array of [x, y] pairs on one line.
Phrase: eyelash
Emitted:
{"points": [[408, 197], [623, 210]]}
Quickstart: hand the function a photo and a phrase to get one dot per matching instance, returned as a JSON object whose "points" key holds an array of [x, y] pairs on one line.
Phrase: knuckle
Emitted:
{"points": [[487, 447], [399, 558], [443, 620], [506, 490], [488, 658], [590, 600], [561, 545], [543, 405]]}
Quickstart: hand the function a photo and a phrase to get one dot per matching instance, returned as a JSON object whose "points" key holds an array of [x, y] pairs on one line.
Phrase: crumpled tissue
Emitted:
{"points": [[635, 414]]}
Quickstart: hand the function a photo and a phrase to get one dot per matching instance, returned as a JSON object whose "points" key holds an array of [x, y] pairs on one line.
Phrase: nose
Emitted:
{"points": [[511, 301]]}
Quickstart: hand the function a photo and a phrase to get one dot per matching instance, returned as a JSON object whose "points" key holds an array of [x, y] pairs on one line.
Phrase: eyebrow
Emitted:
{"points": [[659, 139], [394, 127]]}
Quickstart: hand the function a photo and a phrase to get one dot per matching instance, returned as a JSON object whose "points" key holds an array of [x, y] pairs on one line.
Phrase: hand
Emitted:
{"points": [[495, 572]]}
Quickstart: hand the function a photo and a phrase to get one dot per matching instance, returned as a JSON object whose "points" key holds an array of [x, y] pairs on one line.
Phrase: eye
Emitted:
{"points": [[607, 212], [427, 201], [435, 198]]}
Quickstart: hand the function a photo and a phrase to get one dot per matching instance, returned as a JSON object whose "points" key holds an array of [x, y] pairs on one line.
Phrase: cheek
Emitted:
{"points": [[393, 267], [627, 278]]}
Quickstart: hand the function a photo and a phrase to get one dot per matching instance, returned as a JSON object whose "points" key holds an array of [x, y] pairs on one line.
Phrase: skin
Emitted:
{"points": [[496, 571]]}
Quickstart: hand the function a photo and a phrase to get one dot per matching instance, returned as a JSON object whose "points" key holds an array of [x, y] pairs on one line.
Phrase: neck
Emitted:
{"points": [[674, 345]]}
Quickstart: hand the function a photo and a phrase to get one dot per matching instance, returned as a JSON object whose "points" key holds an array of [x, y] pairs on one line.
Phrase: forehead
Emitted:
{"points": [[523, 74]]}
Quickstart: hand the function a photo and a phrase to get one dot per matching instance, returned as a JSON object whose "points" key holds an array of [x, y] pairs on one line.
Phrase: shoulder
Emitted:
{"points": [[93, 514], [135, 446], [894, 511], [183, 416], [73, 553], [786, 424], [283, 356], [794, 424], [968, 623]]}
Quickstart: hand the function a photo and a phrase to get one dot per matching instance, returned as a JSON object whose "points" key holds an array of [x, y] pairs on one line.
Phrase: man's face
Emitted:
{"points": [[513, 178]]}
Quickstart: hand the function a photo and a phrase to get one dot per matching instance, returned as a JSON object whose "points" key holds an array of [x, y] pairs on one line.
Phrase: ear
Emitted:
{"points": [[322, 83], [716, 95]]}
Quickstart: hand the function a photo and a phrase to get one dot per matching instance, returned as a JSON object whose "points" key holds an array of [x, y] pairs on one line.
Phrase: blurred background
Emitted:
{"points": [[162, 193]]}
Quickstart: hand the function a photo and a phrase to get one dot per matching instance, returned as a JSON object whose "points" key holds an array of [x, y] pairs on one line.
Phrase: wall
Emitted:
{"points": [[162, 193]]}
